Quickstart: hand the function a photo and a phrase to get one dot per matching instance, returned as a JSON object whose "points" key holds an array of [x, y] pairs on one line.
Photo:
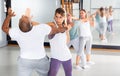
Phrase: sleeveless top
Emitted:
{"points": [[103, 19], [59, 48], [84, 29], [110, 18]]}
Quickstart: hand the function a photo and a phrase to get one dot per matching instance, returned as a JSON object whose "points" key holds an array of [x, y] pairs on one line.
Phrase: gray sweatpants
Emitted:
{"points": [[27, 66], [74, 43], [84, 42]]}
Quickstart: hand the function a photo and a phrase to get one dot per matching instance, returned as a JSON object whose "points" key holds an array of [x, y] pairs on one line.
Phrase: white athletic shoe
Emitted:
{"points": [[85, 67], [90, 63], [77, 67], [104, 41]]}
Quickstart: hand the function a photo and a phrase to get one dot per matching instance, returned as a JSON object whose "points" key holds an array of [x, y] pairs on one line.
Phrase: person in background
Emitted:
{"points": [[102, 28], [74, 35], [85, 39], [60, 53], [110, 19], [30, 37]]}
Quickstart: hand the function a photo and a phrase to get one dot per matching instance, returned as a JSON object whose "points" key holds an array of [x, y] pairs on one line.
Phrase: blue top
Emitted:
{"points": [[97, 17], [74, 30]]}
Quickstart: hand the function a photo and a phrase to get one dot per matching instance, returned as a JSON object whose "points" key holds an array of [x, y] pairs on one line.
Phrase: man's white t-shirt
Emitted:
{"points": [[31, 43]]}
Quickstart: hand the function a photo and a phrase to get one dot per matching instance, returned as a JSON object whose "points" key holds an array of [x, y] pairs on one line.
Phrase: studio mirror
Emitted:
{"points": [[112, 32]]}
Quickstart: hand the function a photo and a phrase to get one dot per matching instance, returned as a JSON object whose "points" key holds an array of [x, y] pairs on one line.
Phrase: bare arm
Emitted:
{"points": [[54, 29], [92, 20], [67, 32], [5, 25], [35, 23], [75, 18], [68, 36], [28, 14]]}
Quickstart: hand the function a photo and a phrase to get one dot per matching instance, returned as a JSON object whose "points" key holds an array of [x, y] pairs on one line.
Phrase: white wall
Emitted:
{"points": [[86, 5], [3, 40], [42, 10]]}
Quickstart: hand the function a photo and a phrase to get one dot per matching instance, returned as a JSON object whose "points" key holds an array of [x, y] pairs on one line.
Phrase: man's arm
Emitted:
{"points": [[28, 14], [5, 25]]}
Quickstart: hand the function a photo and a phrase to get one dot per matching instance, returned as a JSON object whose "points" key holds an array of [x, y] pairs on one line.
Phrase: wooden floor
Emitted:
{"points": [[94, 49]]}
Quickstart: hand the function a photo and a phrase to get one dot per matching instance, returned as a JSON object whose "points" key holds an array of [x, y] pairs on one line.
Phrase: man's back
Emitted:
{"points": [[31, 43]]}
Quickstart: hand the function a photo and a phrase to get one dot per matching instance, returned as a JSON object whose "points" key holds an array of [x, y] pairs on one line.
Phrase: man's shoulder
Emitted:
{"points": [[13, 32]]}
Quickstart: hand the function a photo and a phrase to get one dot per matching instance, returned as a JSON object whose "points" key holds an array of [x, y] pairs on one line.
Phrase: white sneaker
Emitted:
{"points": [[78, 67], [90, 63], [104, 41], [85, 67]]}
